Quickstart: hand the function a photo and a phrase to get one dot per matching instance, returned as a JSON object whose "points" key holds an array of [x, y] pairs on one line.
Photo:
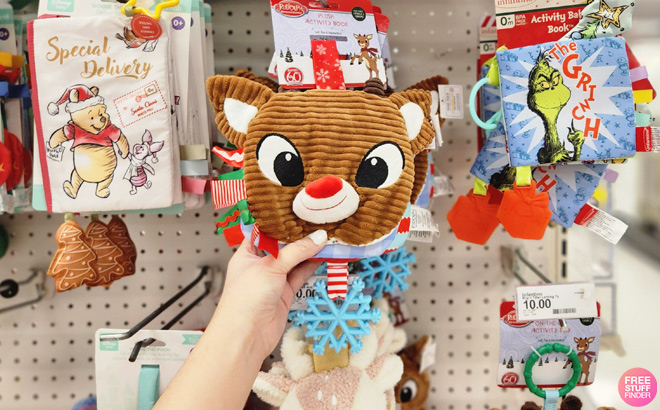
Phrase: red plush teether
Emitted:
{"points": [[524, 213], [5, 163], [473, 218]]}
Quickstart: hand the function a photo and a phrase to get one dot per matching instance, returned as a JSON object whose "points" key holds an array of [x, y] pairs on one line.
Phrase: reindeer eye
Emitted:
{"points": [[408, 391], [280, 161], [381, 167]]}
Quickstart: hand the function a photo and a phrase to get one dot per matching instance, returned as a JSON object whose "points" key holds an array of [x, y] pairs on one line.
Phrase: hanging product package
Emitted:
{"points": [[103, 114]]}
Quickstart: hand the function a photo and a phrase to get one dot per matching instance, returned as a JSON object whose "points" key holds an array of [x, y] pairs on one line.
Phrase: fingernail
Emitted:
{"points": [[318, 237]]}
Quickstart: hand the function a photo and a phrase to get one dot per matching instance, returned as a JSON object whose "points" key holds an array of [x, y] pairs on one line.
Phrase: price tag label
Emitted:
{"points": [[451, 101], [556, 301], [307, 291]]}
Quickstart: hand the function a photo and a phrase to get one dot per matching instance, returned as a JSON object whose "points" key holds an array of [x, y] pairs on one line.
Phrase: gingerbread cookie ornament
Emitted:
{"points": [[118, 233], [108, 264], [71, 266]]}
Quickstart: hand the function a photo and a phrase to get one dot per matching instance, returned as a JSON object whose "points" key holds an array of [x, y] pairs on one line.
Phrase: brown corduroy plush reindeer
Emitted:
{"points": [[342, 161]]}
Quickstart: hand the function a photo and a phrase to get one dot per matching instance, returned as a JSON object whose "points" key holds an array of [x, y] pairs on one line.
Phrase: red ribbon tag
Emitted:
{"points": [[328, 74]]}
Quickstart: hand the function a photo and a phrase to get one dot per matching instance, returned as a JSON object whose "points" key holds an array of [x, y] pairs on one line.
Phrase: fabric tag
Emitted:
{"points": [[428, 355], [192, 152], [228, 192], [193, 185], [451, 101], [556, 301], [422, 226], [234, 158], [437, 141], [648, 139], [6, 203], [442, 186], [601, 223], [551, 397]]}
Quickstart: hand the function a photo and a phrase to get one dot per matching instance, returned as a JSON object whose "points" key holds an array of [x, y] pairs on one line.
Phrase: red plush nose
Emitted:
{"points": [[324, 187]]}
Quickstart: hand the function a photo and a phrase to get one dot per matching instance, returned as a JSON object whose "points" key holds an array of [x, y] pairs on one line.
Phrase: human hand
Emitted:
{"points": [[259, 290]]}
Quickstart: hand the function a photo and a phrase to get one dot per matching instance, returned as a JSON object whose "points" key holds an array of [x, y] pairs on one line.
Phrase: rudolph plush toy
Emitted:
{"points": [[342, 161]]}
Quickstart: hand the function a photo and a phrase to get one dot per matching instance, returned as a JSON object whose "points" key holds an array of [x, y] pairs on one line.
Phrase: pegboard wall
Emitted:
{"points": [[46, 359]]}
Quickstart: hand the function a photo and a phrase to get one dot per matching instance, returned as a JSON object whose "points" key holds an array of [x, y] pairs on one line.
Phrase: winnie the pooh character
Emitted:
{"points": [[93, 135]]}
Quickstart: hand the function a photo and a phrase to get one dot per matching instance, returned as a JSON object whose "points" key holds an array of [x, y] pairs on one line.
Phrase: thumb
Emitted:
{"points": [[301, 250]]}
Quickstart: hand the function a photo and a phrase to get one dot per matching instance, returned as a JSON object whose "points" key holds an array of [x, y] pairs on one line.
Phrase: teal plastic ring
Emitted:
{"points": [[491, 123], [549, 348]]}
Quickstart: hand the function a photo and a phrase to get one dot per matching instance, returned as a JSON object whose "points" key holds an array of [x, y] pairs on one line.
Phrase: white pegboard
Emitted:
{"points": [[46, 359]]}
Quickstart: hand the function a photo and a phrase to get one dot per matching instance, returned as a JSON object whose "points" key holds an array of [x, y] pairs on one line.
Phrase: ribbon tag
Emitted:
{"points": [[648, 139], [227, 192], [234, 158], [551, 398], [327, 68]]}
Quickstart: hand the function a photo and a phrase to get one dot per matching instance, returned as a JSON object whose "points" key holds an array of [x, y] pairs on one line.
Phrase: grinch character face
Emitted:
{"points": [[546, 88]]}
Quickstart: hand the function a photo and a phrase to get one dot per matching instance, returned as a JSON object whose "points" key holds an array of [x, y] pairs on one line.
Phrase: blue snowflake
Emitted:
{"points": [[386, 272], [325, 319]]}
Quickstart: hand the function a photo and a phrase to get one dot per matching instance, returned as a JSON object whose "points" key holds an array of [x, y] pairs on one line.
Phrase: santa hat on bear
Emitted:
{"points": [[77, 97]]}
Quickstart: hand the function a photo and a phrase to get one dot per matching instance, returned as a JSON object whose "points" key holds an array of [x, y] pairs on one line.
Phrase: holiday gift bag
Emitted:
{"points": [[567, 101], [103, 116]]}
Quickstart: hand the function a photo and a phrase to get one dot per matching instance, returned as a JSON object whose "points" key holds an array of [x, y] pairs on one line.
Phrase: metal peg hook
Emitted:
{"points": [[132, 331], [41, 291], [325, 4]]}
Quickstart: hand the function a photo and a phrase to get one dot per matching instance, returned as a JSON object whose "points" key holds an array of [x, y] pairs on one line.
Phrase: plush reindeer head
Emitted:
{"points": [[583, 343], [335, 160], [363, 41]]}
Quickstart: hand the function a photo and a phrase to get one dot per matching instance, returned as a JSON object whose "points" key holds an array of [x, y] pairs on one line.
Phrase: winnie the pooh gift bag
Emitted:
{"points": [[104, 116]]}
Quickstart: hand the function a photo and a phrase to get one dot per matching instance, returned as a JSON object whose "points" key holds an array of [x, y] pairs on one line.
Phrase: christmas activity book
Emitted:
{"points": [[567, 101]]}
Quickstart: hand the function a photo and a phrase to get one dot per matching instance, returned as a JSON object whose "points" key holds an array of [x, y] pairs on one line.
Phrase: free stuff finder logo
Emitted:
{"points": [[638, 387]]}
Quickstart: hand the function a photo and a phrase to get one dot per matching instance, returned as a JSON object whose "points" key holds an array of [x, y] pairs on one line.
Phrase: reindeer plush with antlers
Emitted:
{"points": [[342, 161], [366, 53], [586, 357]]}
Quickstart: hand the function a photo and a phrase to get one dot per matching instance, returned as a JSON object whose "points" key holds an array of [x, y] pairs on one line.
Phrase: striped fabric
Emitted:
{"points": [[227, 193], [233, 158], [337, 280]]}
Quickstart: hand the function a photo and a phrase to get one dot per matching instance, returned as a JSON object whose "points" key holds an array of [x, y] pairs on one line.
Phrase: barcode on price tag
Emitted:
{"points": [[556, 301]]}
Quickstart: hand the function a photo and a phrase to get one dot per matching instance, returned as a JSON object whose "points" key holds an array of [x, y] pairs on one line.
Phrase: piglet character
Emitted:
{"points": [[137, 170]]}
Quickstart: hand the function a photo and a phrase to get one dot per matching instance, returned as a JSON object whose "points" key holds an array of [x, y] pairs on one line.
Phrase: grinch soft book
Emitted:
{"points": [[567, 101]]}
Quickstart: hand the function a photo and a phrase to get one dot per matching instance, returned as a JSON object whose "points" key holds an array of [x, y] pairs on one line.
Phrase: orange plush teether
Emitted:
{"points": [[473, 217], [524, 213], [72, 264]]}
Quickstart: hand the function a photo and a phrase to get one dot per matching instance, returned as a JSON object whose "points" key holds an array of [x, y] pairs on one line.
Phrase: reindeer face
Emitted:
{"points": [[582, 344], [363, 41], [335, 160]]}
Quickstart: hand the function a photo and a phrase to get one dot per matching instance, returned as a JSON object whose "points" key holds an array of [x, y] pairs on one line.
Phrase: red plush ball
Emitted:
{"points": [[524, 213], [473, 218]]}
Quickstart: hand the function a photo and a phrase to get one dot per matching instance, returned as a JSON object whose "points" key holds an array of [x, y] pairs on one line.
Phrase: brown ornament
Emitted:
{"points": [[118, 233], [109, 254], [72, 265]]}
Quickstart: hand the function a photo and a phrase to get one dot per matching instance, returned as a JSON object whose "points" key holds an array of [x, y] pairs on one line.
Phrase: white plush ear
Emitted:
{"points": [[272, 389], [299, 363], [435, 102], [239, 114], [366, 356], [415, 108], [236, 101], [390, 373], [413, 115]]}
